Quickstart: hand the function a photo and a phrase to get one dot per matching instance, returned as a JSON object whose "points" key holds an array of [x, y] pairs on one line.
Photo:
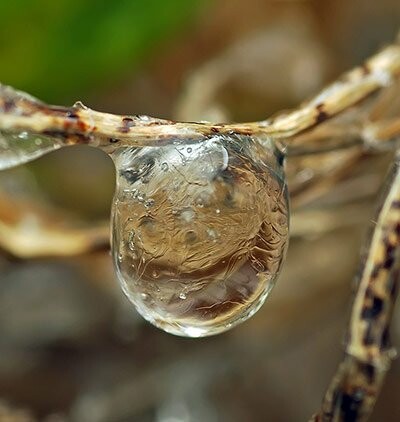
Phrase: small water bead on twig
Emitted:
{"points": [[22, 146], [202, 255], [23, 135]]}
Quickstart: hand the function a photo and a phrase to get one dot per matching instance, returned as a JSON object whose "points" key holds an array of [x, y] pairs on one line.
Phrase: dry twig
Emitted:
{"points": [[79, 124], [354, 389]]}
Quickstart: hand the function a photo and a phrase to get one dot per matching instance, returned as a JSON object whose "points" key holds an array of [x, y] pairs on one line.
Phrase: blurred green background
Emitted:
{"points": [[64, 49]]}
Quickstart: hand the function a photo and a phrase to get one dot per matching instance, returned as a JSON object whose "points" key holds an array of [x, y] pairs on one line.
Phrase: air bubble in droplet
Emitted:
{"points": [[187, 215], [212, 234], [190, 236], [149, 203], [199, 202], [164, 166], [23, 135], [131, 241]]}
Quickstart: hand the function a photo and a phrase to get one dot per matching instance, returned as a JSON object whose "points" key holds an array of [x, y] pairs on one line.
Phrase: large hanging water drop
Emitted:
{"points": [[200, 230]]}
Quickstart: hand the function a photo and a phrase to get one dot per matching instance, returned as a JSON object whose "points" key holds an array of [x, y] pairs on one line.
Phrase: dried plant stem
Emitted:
{"points": [[78, 124], [354, 389], [46, 242]]}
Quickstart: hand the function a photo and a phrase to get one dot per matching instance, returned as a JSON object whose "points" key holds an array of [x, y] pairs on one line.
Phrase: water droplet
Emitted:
{"points": [[23, 135], [80, 105], [189, 150], [191, 240]]}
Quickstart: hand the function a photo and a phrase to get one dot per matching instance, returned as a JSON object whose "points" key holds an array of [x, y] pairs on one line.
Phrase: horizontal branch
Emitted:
{"points": [[79, 124]]}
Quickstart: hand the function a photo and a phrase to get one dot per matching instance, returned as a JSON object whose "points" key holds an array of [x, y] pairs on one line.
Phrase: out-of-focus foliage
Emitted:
{"points": [[58, 50]]}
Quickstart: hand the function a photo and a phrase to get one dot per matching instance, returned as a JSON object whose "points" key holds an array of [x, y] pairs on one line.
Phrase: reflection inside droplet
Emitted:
{"points": [[204, 253]]}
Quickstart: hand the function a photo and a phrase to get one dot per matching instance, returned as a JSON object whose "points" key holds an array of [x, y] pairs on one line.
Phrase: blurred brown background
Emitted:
{"points": [[71, 346]]}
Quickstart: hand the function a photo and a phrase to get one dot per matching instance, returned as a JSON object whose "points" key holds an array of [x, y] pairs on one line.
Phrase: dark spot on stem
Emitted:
{"points": [[72, 115], [365, 69], [375, 271], [388, 262], [368, 337], [8, 105], [374, 310], [389, 255], [127, 123], [70, 138], [350, 405], [394, 284], [53, 110], [322, 115], [385, 338], [369, 372], [396, 204]]}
